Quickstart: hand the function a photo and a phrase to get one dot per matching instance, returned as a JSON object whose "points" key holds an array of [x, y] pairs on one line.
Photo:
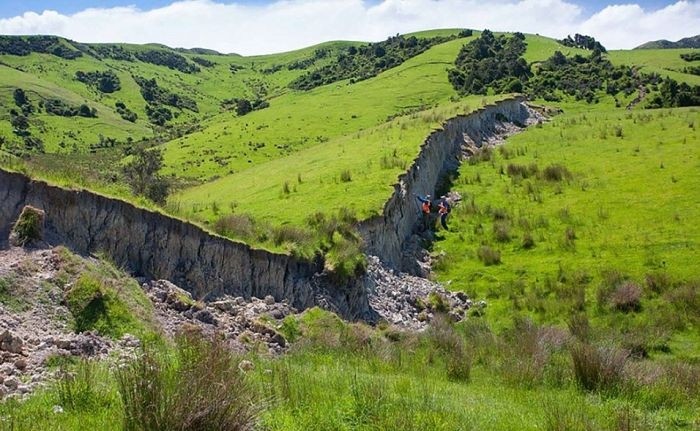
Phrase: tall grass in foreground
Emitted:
{"points": [[199, 388], [350, 376]]}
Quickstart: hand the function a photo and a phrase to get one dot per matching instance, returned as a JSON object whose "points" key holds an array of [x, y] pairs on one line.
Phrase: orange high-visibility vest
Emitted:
{"points": [[442, 208], [426, 207]]}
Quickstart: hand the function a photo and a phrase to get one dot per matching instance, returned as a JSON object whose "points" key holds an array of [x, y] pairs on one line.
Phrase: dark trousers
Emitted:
{"points": [[443, 220]]}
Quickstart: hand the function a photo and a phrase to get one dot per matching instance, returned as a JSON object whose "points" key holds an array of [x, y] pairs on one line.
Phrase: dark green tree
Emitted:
{"points": [[142, 175]]}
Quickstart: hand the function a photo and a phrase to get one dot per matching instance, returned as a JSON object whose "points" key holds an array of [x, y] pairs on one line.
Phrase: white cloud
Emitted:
{"points": [[290, 24]]}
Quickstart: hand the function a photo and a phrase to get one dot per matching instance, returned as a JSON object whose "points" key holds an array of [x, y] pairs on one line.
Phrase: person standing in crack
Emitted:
{"points": [[444, 210], [426, 207]]}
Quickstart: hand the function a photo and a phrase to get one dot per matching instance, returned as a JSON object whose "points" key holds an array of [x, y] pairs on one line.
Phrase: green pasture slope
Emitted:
{"points": [[665, 62], [306, 140], [629, 210]]}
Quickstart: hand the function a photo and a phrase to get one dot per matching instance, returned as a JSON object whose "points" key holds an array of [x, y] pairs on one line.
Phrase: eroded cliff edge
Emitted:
{"points": [[157, 246]]}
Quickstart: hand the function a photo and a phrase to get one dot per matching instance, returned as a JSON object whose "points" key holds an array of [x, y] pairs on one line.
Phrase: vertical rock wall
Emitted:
{"points": [[156, 246]]}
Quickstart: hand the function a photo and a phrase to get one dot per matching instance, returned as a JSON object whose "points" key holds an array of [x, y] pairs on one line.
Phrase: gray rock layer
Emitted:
{"points": [[156, 246], [386, 235]]}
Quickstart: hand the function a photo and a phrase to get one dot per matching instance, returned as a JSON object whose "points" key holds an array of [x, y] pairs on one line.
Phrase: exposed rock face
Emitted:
{"points": [[387, 235], [156, 246]]}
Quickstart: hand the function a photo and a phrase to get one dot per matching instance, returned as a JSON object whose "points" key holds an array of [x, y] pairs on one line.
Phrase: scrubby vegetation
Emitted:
{"points": [[490, 61], [25, 45], [156, 95], [348, 375], [583, 42], [105, 82], [497, 63], [360, 63], [167, 58], [142, 174]]}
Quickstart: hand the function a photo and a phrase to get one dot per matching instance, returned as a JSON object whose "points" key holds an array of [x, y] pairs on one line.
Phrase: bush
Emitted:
{"points": [[598, 368], [28, 227], [141, 173], [488, 255], [200, 389], [627, 297]]}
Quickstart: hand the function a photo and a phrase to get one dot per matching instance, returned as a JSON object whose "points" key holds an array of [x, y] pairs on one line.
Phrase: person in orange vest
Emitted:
{"points": [[426, 207], [444, 210]]}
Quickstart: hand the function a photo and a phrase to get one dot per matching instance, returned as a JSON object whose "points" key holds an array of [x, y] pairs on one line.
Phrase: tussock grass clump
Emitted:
{"points": [[556, 173], [28, 227], [235, 226], [200, 388], [483, 154], [521, 171], [598, 368], [458, 358], [501, 231], [527, 352], [81, 390], [346, 176], [627, 298], [658, 282], [489, 256], [528, 241]]}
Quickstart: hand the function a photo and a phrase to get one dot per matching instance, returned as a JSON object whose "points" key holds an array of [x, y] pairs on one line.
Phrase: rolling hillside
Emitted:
{"points": [[575, 243]]}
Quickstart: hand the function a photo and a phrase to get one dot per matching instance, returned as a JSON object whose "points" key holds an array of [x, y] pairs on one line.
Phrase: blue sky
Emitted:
{"points": [[10, 8], [264, 26]]}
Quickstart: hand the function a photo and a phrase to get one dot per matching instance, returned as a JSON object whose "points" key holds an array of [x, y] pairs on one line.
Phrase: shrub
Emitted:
{"points": [[598, 368], [627, 297], [200, 389], [28, 227], [488, 255]]}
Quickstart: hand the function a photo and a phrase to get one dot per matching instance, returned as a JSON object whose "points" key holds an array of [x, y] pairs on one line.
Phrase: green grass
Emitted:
{"points": [[374, 158], [349, 376], [630, 206], [102, 297], [665, 62]]}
